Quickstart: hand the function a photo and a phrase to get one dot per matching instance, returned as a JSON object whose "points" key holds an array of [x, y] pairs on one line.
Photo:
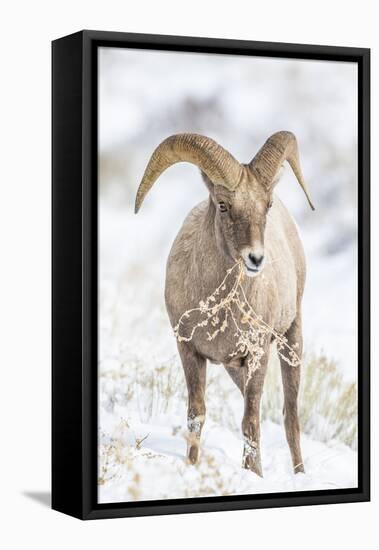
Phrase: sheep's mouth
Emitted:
{"points": [[252, 271]]}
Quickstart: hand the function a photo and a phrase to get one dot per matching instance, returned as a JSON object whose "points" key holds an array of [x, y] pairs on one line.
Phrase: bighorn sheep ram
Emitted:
{"points": [[242, 222]]}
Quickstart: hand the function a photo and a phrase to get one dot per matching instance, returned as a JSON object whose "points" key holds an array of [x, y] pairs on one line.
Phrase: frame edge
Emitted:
{"points": [[67, 422]]}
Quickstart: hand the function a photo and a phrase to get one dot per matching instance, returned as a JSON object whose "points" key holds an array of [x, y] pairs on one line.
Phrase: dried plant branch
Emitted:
{"points": [[139, 441], [251, 330]]}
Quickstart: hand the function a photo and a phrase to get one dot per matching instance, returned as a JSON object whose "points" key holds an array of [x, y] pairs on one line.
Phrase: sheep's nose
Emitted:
{"points": [[256, 259]]}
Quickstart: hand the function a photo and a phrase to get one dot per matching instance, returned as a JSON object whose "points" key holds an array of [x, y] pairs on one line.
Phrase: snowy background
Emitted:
{"points": [[144, 97]]}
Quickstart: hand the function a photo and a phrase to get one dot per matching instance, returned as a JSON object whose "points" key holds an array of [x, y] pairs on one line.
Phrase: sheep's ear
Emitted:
{"points": [[210, 186], [278, 176], [216, 192]]}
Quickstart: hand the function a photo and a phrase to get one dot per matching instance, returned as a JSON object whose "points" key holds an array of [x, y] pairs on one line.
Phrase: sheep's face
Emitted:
{"points": [[240, 222]]}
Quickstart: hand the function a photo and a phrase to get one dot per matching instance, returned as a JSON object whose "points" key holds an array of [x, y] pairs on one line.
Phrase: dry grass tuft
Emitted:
{"points": [[328, 404]]}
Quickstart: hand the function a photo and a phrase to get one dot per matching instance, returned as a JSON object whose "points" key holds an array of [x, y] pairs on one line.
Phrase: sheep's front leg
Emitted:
{"points": [[195, 372], [291, 383], [251, 419]]}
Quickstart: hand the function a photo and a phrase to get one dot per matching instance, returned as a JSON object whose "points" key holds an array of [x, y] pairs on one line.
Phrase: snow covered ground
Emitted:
{"points": [[142, 393], [156, 468]]}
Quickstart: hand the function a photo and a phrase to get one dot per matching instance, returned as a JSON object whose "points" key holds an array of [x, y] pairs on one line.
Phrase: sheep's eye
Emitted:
{"points": [[222, 206], [270, 204]]}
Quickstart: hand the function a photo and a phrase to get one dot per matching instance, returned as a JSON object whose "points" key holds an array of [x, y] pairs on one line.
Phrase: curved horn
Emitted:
{"points": [[280, 147], [219, 165]]}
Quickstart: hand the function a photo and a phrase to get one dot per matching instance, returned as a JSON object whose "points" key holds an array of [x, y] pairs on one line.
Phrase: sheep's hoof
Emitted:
{"points": [[251, 457], [299, 469], [253, 465], [193, 454]]}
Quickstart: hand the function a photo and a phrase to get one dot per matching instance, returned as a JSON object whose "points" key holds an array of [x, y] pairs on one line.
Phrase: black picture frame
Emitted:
{"points": [[74, 272]]}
